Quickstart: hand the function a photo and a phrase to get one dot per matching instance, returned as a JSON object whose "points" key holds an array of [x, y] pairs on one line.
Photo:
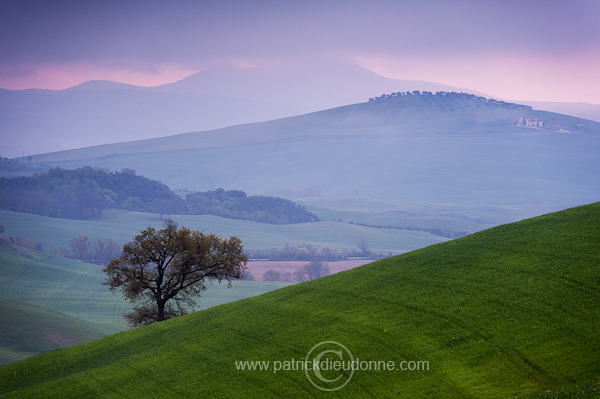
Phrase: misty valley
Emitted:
{"points": [[442, 203], [300, 199]]}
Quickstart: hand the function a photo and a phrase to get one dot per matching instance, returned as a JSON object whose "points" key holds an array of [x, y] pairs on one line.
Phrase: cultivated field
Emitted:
{"points": [[123, 226], [508, 312], [75, 288], [27, 330]]}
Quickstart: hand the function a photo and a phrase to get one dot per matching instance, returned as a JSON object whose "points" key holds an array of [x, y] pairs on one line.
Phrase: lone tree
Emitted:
{"points": [[162, 271]]}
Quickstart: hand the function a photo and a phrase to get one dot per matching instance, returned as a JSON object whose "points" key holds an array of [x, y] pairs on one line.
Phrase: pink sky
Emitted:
{"points": [[573, 78], [522, 50], [57, 76]]}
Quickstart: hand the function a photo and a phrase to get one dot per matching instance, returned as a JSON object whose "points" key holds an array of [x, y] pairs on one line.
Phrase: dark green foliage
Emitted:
{"points": [[237, 205], [81, 193], [446, 101], [162, 271], [84, 192], [18, 167]]}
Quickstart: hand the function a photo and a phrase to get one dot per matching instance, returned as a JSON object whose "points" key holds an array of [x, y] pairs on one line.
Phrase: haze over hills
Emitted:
{"points": [[447, 149], [581, 110], [101, 112]]}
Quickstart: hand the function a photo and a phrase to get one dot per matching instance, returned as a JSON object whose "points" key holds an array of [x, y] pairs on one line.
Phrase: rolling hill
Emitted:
{"points": [[581, 110], [75, 288], [449, 150], [507, 312], [27, 330], [38, 121], [123, 226]]}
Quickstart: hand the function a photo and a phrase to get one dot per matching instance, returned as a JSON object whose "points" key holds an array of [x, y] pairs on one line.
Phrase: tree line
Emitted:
{"points": [[449, 101], [100, 252], [310, 252], [236, 204], [85, 192], [315, 269]]}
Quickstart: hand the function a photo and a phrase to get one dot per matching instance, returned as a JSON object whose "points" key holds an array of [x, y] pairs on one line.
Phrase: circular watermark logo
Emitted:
{"points": [[329, 365]]}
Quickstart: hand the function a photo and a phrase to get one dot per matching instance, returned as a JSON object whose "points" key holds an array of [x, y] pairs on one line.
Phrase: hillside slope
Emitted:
{"points": [[75, 288], [506, 312], [123, 226], [445, 149], [36, 121], [27, 330], [64, 285]]}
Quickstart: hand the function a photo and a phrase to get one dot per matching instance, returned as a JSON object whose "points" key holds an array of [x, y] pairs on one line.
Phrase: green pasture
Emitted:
{"points": [[75, 289], [511, 311], [123, 226], [27, 330]]}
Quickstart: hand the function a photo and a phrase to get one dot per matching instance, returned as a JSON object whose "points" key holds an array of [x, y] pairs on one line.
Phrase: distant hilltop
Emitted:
{"points": [[459, 102], [446, 101]]}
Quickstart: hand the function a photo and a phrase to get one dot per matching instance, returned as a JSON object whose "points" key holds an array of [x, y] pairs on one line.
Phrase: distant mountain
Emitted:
{"points": [[39, 121], [419, 113], [310, 87], [447, 149], [100, 112], [97, 85]]}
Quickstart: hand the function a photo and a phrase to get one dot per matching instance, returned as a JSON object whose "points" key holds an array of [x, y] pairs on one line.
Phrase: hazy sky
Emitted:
{"points": [[512, 49]]}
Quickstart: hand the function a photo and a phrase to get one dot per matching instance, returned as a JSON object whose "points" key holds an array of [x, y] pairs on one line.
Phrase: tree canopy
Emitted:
{"points": [[236, 204], [445, 101], [163, 271], [84, 192], [81, 193]]}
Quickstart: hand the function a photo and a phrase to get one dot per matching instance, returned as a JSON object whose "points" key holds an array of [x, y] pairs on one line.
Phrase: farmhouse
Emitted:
{"points": [[530, 121]]}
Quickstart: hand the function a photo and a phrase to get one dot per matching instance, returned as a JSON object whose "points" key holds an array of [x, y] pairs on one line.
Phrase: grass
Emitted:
{"points": [[64, 285], [123, 226], [27, 330], [507, 312], [455, 217], [75, 288]]}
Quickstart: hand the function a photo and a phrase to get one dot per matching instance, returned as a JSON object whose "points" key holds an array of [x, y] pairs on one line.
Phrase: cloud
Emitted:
{"points": [[69, 74], [529, 77], [63, 35], [191, 31]]}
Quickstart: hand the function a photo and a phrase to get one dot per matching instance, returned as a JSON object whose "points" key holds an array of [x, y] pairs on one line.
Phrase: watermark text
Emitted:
{"points": [[329, 365]]}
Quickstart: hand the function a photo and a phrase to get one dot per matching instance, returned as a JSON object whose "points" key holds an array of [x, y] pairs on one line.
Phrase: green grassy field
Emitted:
{"points": [[123, 226], [27, 330], [507, 312], [450, 220], [75, 289]]}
